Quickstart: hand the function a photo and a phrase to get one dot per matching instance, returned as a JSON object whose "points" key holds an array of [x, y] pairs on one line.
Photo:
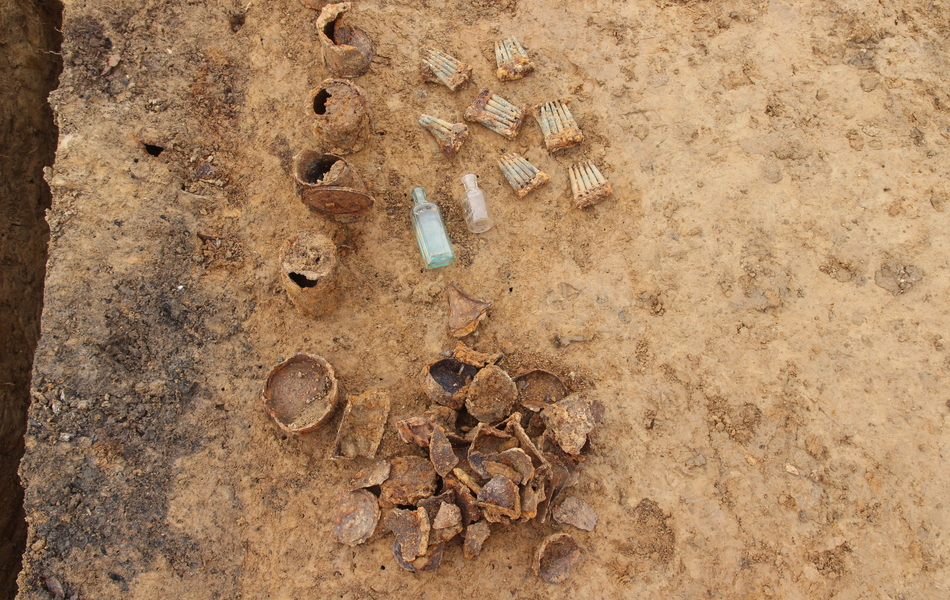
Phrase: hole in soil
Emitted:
{"points": [[154, 149], [29, 142], [320, 102], [236, 21], [302, 280]]}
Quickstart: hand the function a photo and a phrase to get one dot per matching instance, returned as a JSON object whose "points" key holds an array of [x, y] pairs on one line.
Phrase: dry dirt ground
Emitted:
{"points": [[764, 298]]}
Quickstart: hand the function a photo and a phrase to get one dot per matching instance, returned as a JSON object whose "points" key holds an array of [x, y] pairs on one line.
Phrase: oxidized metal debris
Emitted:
{"points": [[588, 185], [361, 428], [354, 517], [473, 357], [491, 395], [570, 420], [495, 113], [486, 443], [426, 562], [465, 312], [519, 461], [539, 388], [444, 381], [447, 524], [418, 430], [439, 67], [449, 135], [464, 499], [475, 536], [533, 493], [577, 513], [328, 184], [555, 557], [521, 174], [300, 394], [441, 452], [309, 272], [347, 51], [411, 479], [372, 475], [341, 116], [432, 504], [411, 528], [500, 498], [558, 125], [512, 59]]}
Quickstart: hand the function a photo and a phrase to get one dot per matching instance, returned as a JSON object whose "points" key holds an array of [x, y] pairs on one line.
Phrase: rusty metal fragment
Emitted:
{"points": [[473, 357], [499, 498], [466, 479], [588, 185], [374, 474], [486, 444], [361, 428], [341, 119], [495, 113], [555, 558], [427, 562], [533, 493], [521, 174], [475, 536], [309, 272], [432, 504], [558, 124], [539, 388], [513, 427], [491, 395], [465, 312], [464, 499], [444, 381], [347, 51], [449, 135], [418, 430], [328, 184], [512, 59], [411, 479], [577, 513], [518, 460], [569, 421], [439, 67], [441, 453], [300, 394], [447, 524], [354, 517], [411, 528]]}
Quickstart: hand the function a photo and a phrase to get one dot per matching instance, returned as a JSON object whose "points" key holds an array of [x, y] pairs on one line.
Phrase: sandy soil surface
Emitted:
{"points": [[764, 298]]}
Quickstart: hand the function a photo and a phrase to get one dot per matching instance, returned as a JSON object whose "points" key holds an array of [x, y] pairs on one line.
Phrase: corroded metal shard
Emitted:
{"points": [[374, 474], [577, 513], [411, 479], [427, 562], [465, 312], [555, 558], [411, 528], [444, 381], [518, 460], [441, 453], [301, 394], [341, 116], [446, 525], [588, 185], [432, 504], [347, 51], [361, 428], [570, 420], [328, 184], [533, 493], [513, 427], [512, 59], [463, 499], [309, 272], [439, 67], [521, 174], [491, 395], [449, 135], [418, 430], [539, 388], [499, 498], [354, 517], [558, 124], [495, 113], [475, 536], [473, 357]]}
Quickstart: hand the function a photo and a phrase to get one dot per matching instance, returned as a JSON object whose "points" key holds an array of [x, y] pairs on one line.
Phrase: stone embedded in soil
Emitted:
{"points": [[555, 558], [569, 421], [500, 497], [491, 395], [411, 528], [374, 474], [577, 513], [411, 479], [475, 536], [362, 425], [441, 453], [355, 517]]}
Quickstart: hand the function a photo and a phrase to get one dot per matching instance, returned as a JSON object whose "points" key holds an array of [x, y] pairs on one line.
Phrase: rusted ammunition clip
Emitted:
{"points": [[512, 59], [449, 135], [347, 51], [558, 125], [342, 119], [439, 67], [328, 184], [521, 174], [588, 185], [495, 113]]}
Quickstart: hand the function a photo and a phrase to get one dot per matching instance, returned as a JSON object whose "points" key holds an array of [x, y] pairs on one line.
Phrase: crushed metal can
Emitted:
{"points": [[341, 117], [347, 50], [328, 184]]}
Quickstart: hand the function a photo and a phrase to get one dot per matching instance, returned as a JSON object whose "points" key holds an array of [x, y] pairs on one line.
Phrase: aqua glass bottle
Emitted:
{"points": [[433, 239]]}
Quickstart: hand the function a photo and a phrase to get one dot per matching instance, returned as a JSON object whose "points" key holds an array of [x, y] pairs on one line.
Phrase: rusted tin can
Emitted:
{"points": [[301, 394], [328, 184], [309, 271], [347, 50], [341, 117]]}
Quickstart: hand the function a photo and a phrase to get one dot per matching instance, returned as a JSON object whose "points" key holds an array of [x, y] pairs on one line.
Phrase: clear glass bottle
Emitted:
{"points": [[433, 239], [474, 206]]}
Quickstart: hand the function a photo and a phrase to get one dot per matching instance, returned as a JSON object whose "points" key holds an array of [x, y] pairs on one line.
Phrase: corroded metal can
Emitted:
{"points": [[309, 271]]}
